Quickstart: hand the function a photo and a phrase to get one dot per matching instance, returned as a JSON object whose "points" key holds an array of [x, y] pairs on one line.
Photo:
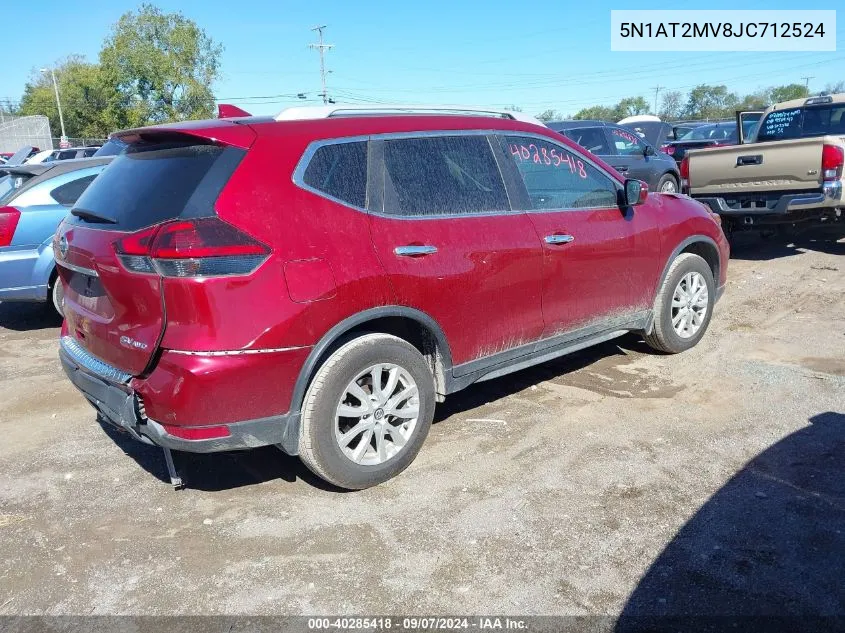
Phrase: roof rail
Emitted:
{"points": [[299, 113]]}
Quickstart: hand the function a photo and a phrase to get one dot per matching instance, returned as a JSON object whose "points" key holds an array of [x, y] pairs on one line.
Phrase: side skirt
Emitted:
{"points": [[531, 354]]}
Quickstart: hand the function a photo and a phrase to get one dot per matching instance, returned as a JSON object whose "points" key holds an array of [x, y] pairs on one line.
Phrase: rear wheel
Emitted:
{"points": [[57, 294], [367, 412], [667, 184], [683, 306]]}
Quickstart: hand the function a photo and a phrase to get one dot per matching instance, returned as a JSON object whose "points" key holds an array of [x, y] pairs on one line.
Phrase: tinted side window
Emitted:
{"points": [[591, 139], [442, 175], [626, 142], [68, 193], [555, 178], [340, 171]]}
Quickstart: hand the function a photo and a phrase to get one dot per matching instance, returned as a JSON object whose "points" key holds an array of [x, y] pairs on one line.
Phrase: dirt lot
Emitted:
{"points": [[615, 480]]}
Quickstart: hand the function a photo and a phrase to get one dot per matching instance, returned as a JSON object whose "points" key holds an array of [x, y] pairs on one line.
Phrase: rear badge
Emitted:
{"points": [[131, 342]]}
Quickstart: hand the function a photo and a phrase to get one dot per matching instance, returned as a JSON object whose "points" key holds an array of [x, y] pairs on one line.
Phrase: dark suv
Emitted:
{"points": [[624, 149], [319, 284]]}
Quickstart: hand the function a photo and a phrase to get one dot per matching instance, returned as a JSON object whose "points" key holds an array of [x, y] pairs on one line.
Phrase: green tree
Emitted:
{"points": [[84, 96], [163, 66], [549, 115], [630, 106], [710, 102], [596, 113], [790, 91]]}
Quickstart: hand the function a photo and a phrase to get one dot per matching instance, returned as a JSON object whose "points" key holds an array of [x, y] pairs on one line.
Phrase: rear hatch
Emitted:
{"points": [[793, 165], [159, 193]]}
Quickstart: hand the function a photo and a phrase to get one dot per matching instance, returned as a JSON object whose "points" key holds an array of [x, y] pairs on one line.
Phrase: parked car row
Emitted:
{"points": [[319, 280]]}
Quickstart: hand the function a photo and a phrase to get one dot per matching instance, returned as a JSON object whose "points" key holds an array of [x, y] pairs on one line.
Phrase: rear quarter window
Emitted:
{"points": [[68, 193], [339, 171]]}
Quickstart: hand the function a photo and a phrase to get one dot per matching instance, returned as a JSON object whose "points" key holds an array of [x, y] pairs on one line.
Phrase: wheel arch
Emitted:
{"points": [[414, 326], [701, 245]]}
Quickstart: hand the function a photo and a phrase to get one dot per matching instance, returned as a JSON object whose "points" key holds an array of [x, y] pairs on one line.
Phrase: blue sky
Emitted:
{"points": [[494, 53]]}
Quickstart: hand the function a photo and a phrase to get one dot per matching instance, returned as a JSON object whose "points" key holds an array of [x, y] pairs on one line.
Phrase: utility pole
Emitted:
{"points": [[58, 105], [321, 48], [807, 83], [657, 90]]}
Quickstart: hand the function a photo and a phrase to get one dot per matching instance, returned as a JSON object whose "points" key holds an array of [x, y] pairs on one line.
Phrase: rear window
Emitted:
{"points": [[149, 184], [803, 122], [68, 193]]}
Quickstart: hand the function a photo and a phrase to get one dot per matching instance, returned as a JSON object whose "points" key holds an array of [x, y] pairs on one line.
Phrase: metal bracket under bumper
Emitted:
{"points": [[118, 405], [786, 204]]}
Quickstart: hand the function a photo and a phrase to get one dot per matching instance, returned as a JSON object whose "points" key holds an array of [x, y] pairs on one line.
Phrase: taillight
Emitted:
{"points": [[668, 149], [9, 217], [833, 158], [206, 247], [684, 168]]}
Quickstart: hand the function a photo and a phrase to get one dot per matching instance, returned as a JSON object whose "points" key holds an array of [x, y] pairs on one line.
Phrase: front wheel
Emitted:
{"points": [[667, 184], [367, 412], [683, 306]]}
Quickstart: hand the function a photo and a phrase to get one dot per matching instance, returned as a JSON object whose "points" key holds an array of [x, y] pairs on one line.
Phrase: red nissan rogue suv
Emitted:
{"points": [[320, 283]]}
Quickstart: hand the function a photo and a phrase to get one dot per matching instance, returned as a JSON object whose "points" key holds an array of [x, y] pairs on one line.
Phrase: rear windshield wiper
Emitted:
{"points": [[90, 216]]}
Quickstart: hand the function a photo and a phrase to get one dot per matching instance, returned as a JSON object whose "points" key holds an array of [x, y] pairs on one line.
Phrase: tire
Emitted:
{"points": [[664, 337], [664, 181], [323, 430], [57, 293]]}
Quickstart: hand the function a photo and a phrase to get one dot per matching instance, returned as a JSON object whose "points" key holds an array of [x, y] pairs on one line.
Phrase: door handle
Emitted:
{"points": [[757, 159], [558, 239], [622, 168], [414, 251]]}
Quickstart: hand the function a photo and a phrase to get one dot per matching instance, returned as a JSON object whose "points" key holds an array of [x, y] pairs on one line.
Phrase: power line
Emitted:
{"points": [[807, 82], [321, 48]]}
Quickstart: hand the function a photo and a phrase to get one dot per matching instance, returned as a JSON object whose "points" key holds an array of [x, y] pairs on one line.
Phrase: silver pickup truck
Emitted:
{"points": [[790, 170]]}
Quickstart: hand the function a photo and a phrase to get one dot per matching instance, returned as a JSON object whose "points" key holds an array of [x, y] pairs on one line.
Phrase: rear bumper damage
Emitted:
{"points": [[111, 393]]}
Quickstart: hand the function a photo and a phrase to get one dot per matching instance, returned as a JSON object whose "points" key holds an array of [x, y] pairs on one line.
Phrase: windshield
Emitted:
{"points": [[803, 122]]}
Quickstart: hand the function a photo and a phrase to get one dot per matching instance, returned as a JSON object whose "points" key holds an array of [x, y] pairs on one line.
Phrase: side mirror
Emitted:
{"points": [[636, 192], [648, 150]]}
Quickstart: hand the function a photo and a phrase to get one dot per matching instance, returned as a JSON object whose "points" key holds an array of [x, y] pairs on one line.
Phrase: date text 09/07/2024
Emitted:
{"points": [[418, 623], [721, 29]]}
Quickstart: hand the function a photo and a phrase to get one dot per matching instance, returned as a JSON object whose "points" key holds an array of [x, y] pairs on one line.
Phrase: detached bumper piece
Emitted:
{"points": [[109, 391]]}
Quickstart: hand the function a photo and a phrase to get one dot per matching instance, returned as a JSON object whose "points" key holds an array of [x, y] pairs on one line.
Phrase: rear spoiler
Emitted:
{"points": [[229, 111], [26, 170]]}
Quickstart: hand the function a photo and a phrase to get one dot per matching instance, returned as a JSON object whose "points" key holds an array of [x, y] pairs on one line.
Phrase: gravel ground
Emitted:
{"points": [[612, 481]]}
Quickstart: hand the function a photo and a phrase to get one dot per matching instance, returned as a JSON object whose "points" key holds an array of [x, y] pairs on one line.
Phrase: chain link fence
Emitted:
{"points": [[16, 132]]}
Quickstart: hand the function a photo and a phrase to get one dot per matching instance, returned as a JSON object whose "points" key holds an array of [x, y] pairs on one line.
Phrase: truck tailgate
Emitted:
{"points": [[756, 167]]}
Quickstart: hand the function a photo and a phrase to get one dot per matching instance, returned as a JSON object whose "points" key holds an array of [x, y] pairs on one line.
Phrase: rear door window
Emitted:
{"points": [[68, 193], [442, 175], [339, 171], [591, 139], [557, 179], [151, 183]]}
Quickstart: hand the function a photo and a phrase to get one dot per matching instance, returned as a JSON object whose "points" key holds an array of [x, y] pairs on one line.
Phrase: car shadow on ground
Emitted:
{"points": [[752, 246], [20, 317], [224, 471], [765, 553]]}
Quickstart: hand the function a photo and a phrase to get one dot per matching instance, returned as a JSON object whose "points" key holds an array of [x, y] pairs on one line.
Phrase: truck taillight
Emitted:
{"points": [[205, 247], [9, 217], [833, 157], [684, 169]]}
